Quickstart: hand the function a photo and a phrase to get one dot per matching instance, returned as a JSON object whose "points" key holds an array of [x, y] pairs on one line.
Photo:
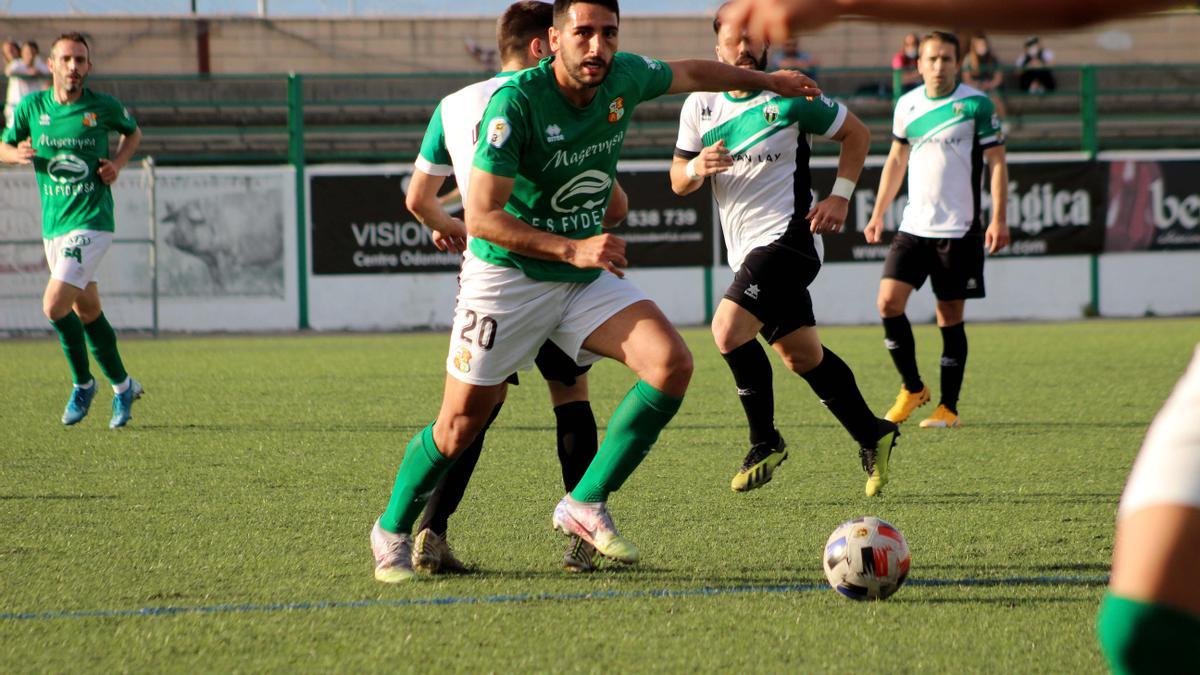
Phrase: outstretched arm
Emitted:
{"points": [[774, 20], [706, 75]]}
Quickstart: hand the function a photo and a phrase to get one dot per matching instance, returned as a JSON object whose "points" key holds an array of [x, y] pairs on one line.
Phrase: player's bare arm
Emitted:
{"points": [[449, 233], [997, 235], [690, 75], [829, 214], [618, 207], [712, 160], [109, 169], [487, 219], [894, 168], [775, 20], [22, 153]]}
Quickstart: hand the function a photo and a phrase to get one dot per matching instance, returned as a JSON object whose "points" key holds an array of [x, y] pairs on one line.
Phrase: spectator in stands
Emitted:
{"points": [[26, 74], [12, 54], [1034, 68], [905, 61], [791, 57], [981, 69]]}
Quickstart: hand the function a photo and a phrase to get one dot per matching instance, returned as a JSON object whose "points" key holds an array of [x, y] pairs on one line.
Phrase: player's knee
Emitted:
{"points": [[889, 306], [802, 361], [87, 314], [672, 370], [455, 433]]}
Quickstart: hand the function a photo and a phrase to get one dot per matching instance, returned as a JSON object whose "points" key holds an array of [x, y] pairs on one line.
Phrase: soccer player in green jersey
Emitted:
{"points": [[540, 268], [63, 132]]}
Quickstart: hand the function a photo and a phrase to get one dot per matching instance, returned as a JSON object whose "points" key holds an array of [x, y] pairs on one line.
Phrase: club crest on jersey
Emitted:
{"points": [[44, 120], [770, 113], [462, 360], [498, 131], [89, 119], [554, 134], [958, 109], [616, 110]]}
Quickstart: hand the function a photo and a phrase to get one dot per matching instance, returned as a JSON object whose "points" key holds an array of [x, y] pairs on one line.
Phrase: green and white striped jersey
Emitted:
{"points": [[945, 165], [768, 191]]}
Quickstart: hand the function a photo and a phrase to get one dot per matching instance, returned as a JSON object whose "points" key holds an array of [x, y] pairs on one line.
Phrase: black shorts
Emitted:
{"points": [[772, 284], [954, 265], [555, 366]]}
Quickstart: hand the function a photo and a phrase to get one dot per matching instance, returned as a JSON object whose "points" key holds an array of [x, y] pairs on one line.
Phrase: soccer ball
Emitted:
{"points": [[866, 559]]}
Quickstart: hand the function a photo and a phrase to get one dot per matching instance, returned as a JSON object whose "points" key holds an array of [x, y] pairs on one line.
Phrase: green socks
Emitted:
{"points": [[70, 335], [103, 340], [1145, 637], [420, 471], [634, 427]]}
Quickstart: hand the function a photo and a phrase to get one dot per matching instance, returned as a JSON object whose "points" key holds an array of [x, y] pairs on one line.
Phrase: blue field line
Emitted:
{"points": [[525, 597]]}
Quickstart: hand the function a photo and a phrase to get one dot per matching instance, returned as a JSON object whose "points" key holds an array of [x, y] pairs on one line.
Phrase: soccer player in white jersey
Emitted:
{"points": [[943, 133], [1150, 618], [752, 145], [541, 268], [522, 36]]}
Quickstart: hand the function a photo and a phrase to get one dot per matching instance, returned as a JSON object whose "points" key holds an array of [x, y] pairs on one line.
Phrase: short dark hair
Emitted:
{"points": [[717, 16], [521, 23], [944, 37], [31, 43], [73, 36], [561, 7]]}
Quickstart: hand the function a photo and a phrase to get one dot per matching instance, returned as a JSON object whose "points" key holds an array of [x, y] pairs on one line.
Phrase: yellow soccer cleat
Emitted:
{"points": [[906, 403], [941, 418], [875, 460], [759, 466]]}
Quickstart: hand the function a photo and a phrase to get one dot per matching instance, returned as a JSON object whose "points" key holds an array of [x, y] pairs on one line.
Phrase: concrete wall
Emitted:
{"points": [[249, 45]]}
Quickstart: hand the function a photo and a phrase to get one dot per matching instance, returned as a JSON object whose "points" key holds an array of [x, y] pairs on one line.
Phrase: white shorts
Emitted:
{"points": [[74, 257], [502, 318], [1167, 470]]}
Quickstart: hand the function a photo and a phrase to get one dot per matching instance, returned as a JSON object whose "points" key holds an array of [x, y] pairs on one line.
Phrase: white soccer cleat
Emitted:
{"points": [[592, 523], [393, 555]]}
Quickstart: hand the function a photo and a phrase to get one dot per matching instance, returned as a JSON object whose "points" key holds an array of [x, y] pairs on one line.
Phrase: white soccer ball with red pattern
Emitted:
{"points": [[866, 559]]}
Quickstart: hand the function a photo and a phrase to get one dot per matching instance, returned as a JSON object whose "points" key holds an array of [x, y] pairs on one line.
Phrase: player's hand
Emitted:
{"points": [[605, 251], [775, 20], [874, 231], [713, 159], [996, 237], [828, 215], [454, 241], [793, 84], [108, 171], [25, 152]]}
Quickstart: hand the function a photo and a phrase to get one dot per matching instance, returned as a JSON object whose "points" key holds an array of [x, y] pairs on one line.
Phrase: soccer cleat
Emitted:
{"points": [[393, 555], [875, 460], [593, 524], [906, 403], [580, 556], [432, 555], [759, 466], [123, 404], [78, 404], [941, 418]]}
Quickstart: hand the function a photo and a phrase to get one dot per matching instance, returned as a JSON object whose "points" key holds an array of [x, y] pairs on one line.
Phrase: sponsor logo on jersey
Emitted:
{"points": [[498, 131], [554, 134], [587, 190], [827, 101], [44, 120], [66, 168], [652, 64], [462, 359], [752, 291], [770, 113], [705, 113], [89, 119], [616, 110]]}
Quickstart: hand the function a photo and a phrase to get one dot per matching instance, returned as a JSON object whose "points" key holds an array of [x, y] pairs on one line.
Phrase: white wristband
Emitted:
{"points": [[842, 187], [691, 170]]}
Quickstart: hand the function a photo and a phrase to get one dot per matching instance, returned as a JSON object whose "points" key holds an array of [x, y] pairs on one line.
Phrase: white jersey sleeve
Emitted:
{"points": [[1167, 470], [690, 141]]}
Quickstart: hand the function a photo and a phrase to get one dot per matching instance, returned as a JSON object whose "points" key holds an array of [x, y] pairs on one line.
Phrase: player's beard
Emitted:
{"points": [[575, 70], [747, 59]]}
